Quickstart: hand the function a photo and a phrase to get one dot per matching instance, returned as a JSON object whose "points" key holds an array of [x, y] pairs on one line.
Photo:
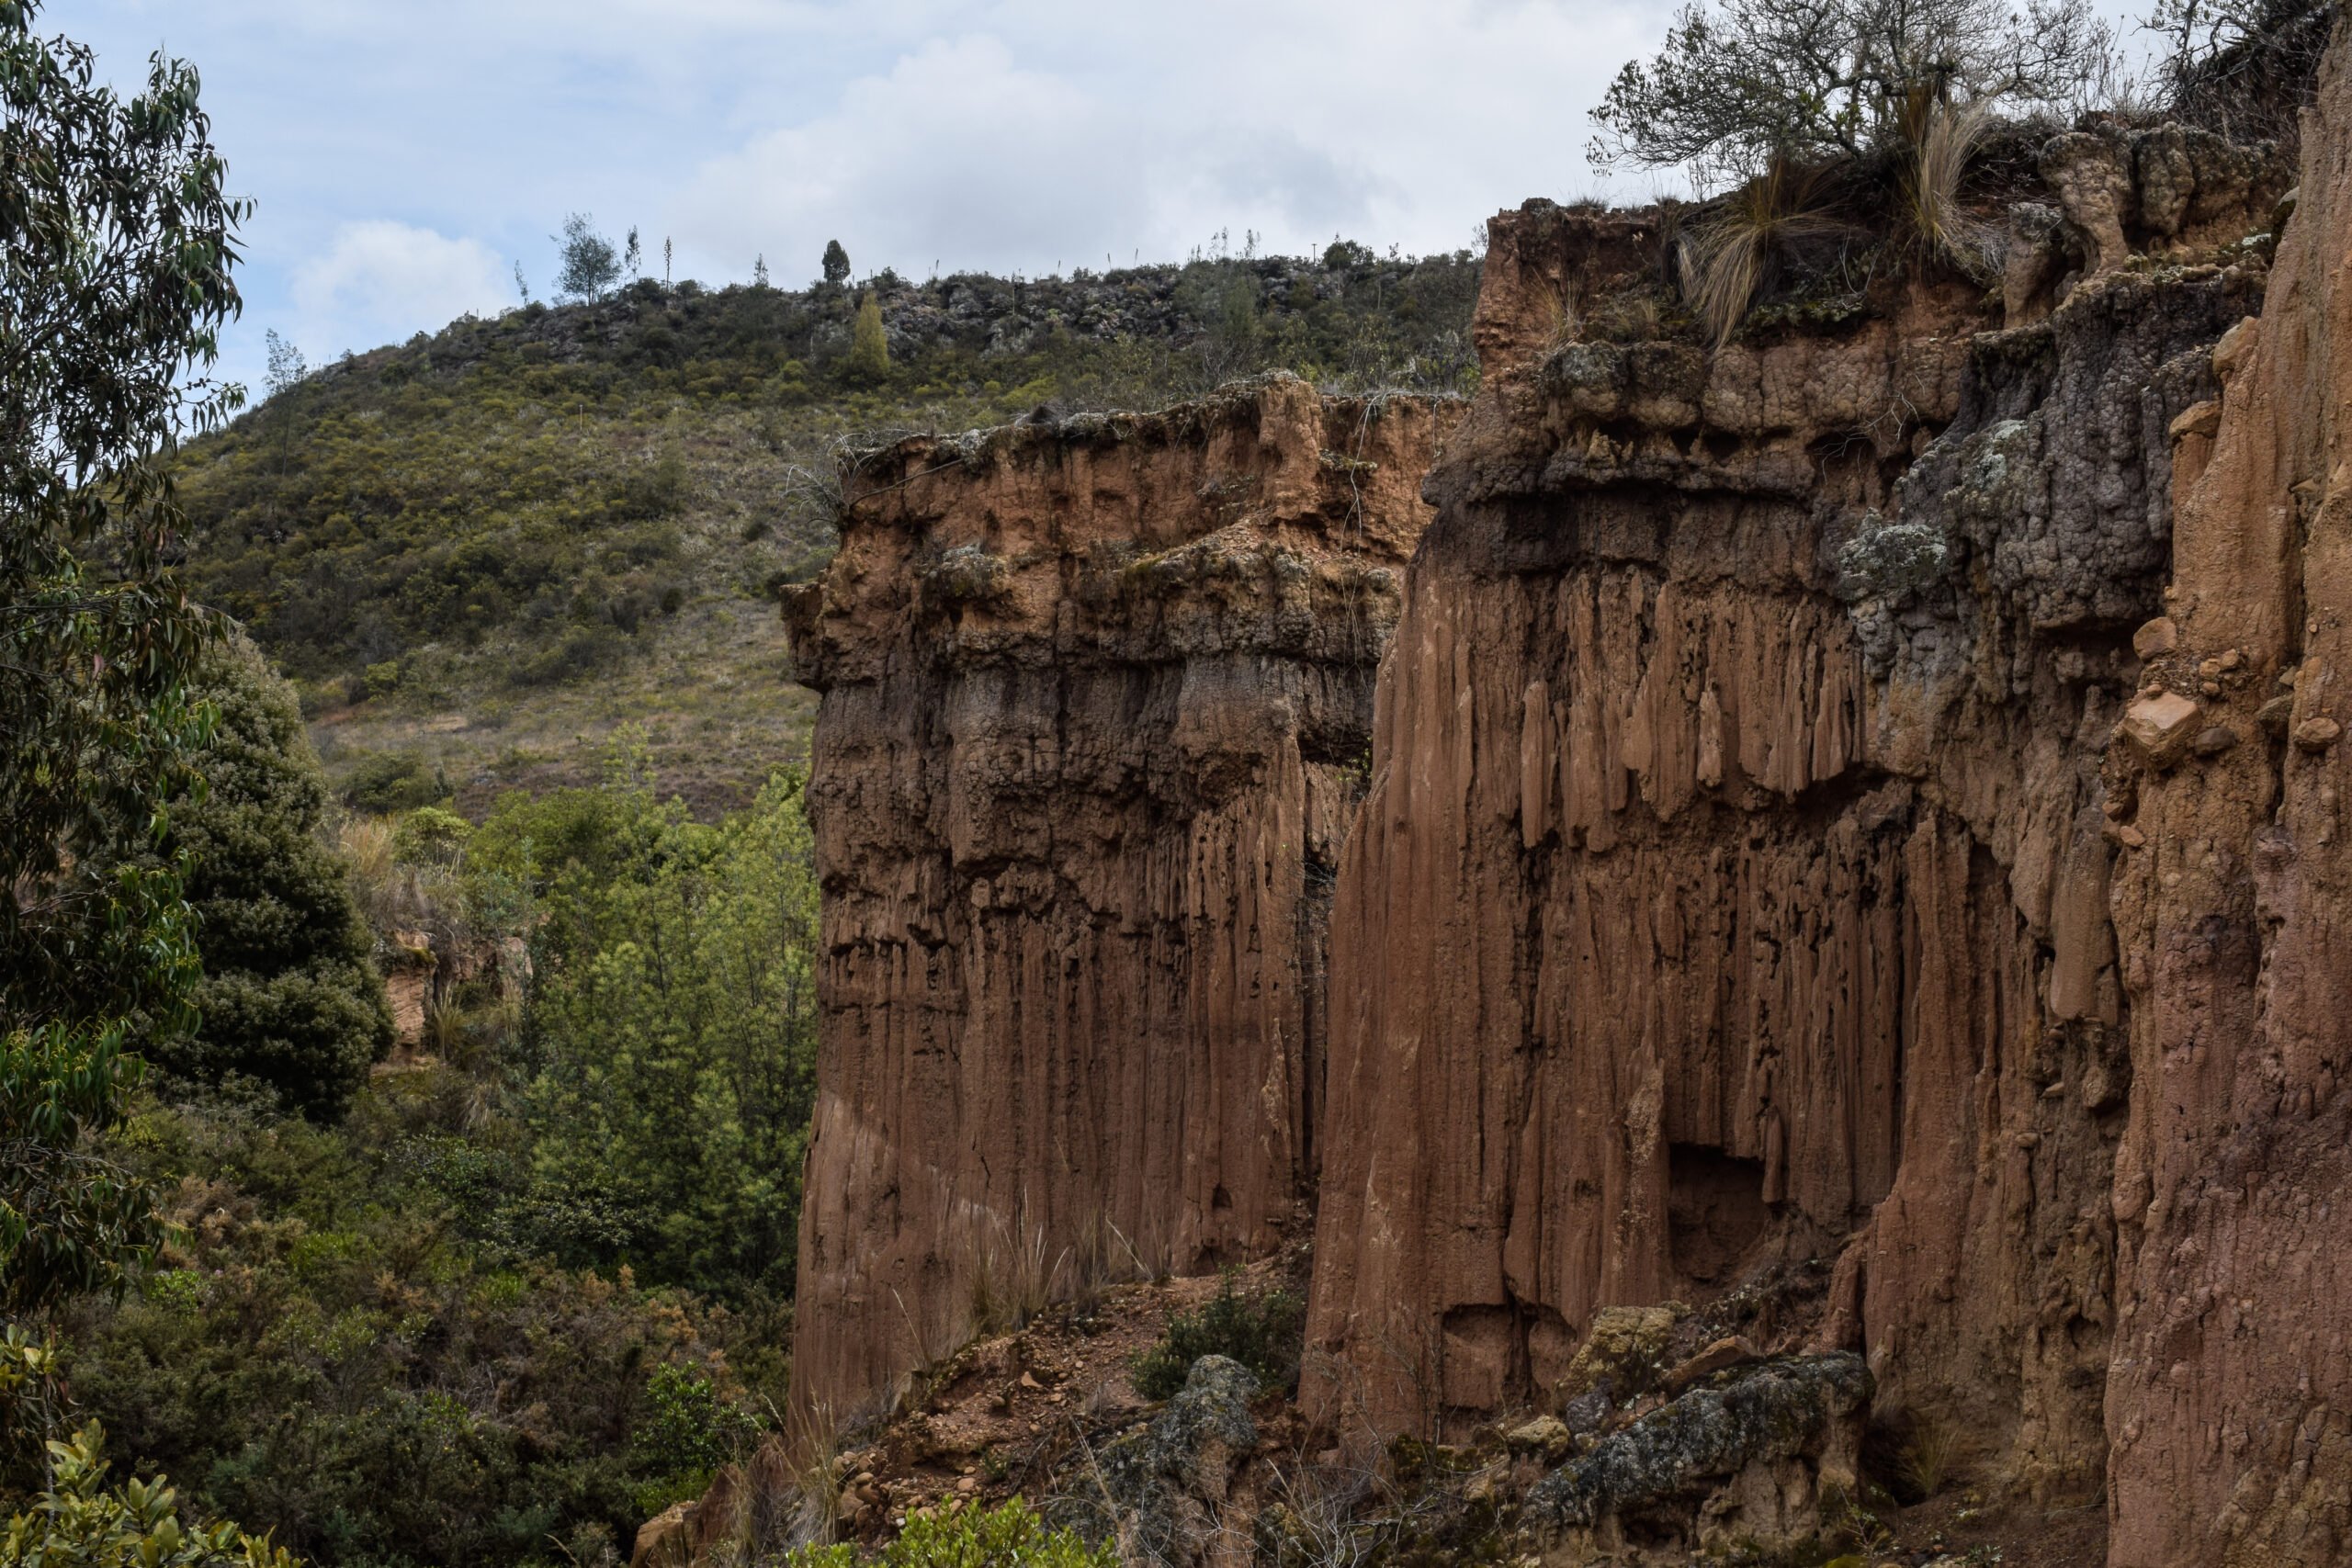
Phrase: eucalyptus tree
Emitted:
{"points": [[118, 242]]}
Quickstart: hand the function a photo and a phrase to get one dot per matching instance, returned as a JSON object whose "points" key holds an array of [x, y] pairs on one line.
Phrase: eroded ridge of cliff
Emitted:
{"points": [[1097, 698], [2229, 1399], [1731, 905]]}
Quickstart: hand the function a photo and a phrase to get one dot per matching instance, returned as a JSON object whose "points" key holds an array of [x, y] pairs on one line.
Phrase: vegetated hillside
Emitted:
{"points": [[480, 552]]}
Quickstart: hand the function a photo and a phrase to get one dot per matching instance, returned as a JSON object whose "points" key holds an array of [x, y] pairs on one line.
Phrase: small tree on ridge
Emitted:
{"points": [[869, 344], [589, 266], [1741, 81]]}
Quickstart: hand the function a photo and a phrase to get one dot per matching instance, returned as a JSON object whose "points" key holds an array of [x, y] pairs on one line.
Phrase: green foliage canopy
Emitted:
{"points": [[1740, 81], [290, 996], [117, 244], [81, 1522], [353, 1353], [586, 264], [671, 1031]]}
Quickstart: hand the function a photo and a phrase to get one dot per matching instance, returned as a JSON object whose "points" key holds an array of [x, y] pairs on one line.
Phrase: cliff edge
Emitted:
{"points": [[1097, 697]]}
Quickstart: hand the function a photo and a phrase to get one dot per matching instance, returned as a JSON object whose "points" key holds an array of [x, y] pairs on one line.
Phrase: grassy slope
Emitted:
{"points": [[491, 546]]}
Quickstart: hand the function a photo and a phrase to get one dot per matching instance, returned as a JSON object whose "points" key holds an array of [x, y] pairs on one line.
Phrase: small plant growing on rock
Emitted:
{"points": [[1925, 1463], [1729, 257], [1262, 1331], [1012, 1274]]}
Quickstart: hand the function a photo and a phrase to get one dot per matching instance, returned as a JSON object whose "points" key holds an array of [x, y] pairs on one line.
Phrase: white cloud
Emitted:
{"points": [[956, 140], [1054, 131], [379, 281]]}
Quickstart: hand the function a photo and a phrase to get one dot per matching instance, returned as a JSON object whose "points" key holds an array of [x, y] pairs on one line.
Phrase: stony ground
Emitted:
{"points": [[1036, 1411]]}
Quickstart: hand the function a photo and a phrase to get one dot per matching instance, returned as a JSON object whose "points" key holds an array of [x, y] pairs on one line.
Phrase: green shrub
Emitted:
{"points": [[869, 345], [1007, 1536], [386, 782], [1263, 1331], [290, 997], [672, 1030], [689, 1428], [431, 835], [656, 489], [351, 1359], [583, 650], [81, 1522]]}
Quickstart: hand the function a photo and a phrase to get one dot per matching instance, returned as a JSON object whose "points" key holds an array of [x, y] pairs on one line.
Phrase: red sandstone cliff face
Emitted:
{"points": [[1096, 703], [2230, 1401], [1853, 820], [1731, 903]]}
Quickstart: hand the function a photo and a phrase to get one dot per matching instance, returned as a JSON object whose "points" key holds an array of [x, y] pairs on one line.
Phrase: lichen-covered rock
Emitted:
{"points": [[1795, 1423], [1546, 1436], [1170, 1485], [1621, 1353], [2046, 506]]}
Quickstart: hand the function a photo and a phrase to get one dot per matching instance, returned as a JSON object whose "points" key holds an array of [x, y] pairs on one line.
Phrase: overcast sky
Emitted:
{"points": [[406, 153]]}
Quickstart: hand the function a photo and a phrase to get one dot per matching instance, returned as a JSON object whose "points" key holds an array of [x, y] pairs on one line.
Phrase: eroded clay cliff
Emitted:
{"points": [[1754, 892], [1096, 713], [1852, 840], [2230, 1400]]}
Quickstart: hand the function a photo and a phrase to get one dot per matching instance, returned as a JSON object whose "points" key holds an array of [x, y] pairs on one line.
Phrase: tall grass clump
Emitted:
{"points": [[1730, 255], [1945, 138]]}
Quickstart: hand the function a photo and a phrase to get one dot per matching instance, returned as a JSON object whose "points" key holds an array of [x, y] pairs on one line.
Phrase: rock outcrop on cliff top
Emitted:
{"points": [[1097, 708], [1870, 796]]}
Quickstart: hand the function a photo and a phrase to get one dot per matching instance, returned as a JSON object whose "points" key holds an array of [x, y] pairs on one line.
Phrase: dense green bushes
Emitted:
{"points": [[519, 492], [533, 1287], [290, 997], [1007, 1536], [79, 1521], [331, 1356], [392, 781], [672, 1029]]}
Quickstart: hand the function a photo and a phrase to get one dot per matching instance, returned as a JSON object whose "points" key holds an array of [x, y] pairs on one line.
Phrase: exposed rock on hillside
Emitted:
{"points": [[1738, 1465], [1097, 702], [1170, 1485]]}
